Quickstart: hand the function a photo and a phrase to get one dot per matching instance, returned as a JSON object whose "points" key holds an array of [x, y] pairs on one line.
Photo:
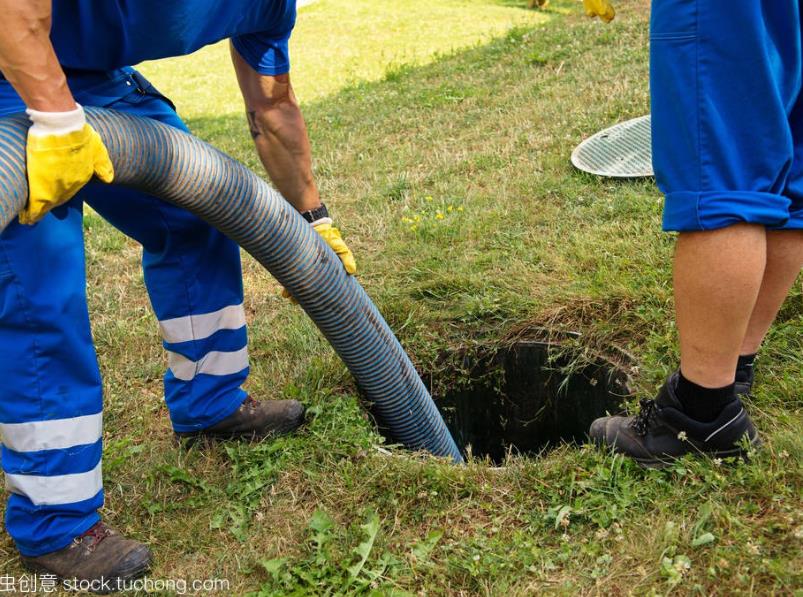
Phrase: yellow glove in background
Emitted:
{"points": [[600, 8], [63, 154], [332, 237]]}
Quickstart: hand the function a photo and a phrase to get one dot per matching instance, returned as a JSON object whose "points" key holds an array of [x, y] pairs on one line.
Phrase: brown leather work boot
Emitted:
{"points": [[254, 420], [100, 560]]}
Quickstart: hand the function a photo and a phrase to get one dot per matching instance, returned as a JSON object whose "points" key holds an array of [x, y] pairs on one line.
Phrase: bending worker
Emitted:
{"points": [[51, 394], [727, 135]]}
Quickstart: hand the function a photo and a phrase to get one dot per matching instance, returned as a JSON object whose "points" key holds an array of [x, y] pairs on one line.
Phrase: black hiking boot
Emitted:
{"points": [[662, 432], [100, 560], [254, 420]]}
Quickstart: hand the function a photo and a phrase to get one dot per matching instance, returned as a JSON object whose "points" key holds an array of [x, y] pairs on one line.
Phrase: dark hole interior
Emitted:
{"points": [[530, 397]]}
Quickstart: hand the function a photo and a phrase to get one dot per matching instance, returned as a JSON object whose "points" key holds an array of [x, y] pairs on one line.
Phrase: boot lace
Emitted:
{"points": [[96, 534], [249, 404], [641, 422]]}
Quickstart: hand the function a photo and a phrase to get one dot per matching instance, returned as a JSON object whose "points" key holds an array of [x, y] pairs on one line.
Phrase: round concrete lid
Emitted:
{"points": [[621, 151]]}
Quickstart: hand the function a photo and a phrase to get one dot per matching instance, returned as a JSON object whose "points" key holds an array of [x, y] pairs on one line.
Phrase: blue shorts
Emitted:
{"points": [[727, 112]]}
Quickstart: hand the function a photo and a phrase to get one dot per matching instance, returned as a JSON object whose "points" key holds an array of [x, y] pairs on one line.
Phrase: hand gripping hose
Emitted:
{"points": [[183, 170]]}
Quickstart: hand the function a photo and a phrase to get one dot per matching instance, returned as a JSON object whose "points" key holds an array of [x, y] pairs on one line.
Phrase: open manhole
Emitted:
{"points": [[529, 397]]}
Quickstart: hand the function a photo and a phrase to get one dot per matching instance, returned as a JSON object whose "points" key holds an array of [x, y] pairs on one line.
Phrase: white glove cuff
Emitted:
{"points": [[56, 123], [322, 221]]}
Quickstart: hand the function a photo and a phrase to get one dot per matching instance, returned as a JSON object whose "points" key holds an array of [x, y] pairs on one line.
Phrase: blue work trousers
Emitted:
{"points": [[51, 394]]}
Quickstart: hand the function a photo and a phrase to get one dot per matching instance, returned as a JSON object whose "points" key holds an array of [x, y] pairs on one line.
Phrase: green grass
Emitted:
{"points": [[528, 241], [337, 44]]}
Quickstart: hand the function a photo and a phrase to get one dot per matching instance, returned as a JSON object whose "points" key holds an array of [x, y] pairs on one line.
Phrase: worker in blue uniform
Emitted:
{"points": [[727, 132], [56, 58]]}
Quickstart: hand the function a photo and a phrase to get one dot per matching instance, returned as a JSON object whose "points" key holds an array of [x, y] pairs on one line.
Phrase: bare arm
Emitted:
{"points": [[279, 133], [27, 58]]}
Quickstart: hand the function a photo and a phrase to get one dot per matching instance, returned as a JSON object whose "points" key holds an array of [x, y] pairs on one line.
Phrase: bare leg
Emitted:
{"points": [[279, 132], [784, 262], [717, 277]]}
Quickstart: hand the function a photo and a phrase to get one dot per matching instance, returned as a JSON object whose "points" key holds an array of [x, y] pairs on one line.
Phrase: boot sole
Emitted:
{"points": [[126, 575], [660, 463], [191, 438]]}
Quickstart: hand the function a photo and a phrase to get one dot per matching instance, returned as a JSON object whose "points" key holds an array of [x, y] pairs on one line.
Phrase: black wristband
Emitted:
{"points": [[316, 214]]}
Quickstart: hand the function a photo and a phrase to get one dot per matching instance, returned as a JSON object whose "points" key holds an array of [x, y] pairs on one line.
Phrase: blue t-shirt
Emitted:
{"points": [[109, 34]]}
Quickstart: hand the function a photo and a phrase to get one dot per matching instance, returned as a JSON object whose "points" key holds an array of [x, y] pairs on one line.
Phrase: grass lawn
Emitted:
{"points": [[416, 111]]}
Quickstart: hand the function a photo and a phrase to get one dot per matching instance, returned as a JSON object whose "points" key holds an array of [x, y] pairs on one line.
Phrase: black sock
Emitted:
{"points": [[703, 404], [744, 367]]}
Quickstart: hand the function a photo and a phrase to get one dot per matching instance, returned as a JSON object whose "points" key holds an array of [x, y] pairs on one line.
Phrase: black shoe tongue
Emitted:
{"points": [[666, 396]]}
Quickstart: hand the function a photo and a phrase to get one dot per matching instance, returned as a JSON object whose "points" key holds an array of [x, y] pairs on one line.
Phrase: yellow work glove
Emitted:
{"points": [[63, 154], [332, 237], [600, 8]]}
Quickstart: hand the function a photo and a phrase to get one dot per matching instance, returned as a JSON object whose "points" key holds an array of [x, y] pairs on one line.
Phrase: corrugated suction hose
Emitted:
{"points": [[183, 170]]}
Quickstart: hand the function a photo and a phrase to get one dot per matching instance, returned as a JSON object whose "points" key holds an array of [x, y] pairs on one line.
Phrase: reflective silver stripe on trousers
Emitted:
{"points": [[214, 363], [198, 327], [52, 435], [60, 489]]}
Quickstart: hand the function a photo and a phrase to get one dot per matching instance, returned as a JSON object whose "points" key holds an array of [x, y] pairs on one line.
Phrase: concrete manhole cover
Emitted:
{"points": [[621, 151]]}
